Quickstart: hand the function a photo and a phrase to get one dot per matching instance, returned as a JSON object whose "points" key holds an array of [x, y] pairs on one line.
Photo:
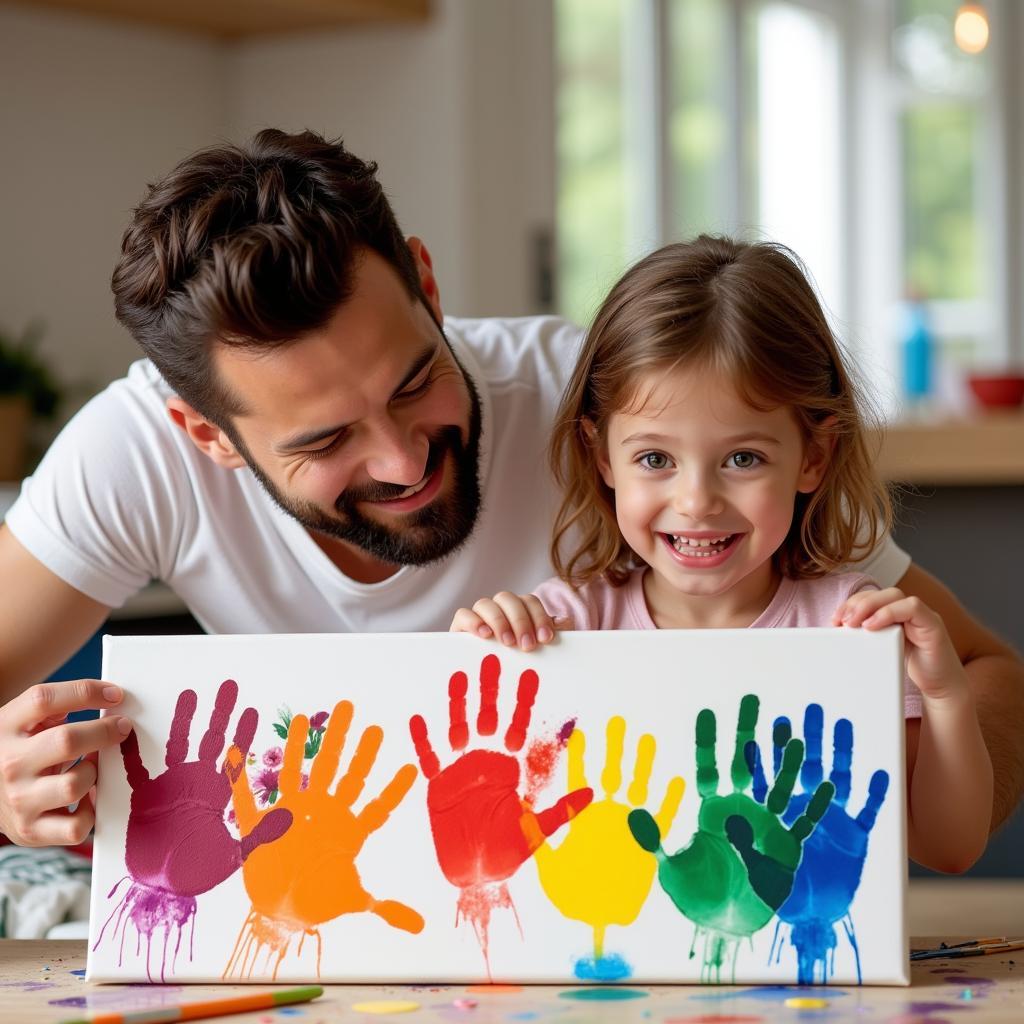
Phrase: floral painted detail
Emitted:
{"points": [[264, 781], [265, 786]]}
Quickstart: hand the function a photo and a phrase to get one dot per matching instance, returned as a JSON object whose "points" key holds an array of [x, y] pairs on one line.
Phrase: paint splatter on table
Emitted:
{"points": [[41, 983]]}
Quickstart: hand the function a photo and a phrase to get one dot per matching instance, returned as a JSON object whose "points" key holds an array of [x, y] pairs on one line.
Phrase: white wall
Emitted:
{"points": [[91, 111], [456, 110]]}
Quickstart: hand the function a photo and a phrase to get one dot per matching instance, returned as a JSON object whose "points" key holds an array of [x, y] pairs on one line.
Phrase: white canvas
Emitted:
{"points": [[355, 866]]}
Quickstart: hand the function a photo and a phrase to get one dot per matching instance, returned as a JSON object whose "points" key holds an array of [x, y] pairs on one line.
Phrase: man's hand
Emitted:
{"points": [[35, 745]]}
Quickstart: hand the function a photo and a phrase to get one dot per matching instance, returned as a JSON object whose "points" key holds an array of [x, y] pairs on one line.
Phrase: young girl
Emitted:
{"points": [[716, 473]]}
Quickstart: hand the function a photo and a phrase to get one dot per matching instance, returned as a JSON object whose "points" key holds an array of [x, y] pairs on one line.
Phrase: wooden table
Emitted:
{"points": [[38, 986]]}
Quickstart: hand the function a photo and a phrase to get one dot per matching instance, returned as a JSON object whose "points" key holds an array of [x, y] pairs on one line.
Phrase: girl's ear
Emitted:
{"points": [[593, 441], [817, 454]]}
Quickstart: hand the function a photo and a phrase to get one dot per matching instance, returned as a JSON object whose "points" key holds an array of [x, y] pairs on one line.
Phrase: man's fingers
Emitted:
{"points": [[54, 700], [64, 743], [52, 792], [60, 828]]}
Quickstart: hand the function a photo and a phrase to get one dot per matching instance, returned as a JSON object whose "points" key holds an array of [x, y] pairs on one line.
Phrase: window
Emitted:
{"points": [[858, 132]]}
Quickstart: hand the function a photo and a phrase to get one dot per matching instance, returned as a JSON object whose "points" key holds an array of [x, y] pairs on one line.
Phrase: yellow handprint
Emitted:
{"points": [[309, 876], [598, 874]]}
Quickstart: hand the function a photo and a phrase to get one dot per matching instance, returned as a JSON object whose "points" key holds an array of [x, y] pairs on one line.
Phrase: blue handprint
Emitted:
{"points": [[833, 855]]}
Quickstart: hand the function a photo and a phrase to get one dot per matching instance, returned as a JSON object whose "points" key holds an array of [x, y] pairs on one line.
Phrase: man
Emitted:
{"points": [[310, 448]]}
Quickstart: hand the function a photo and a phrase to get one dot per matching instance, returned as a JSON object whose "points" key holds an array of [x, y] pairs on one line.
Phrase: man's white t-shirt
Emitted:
{"points": [[123, 497]]}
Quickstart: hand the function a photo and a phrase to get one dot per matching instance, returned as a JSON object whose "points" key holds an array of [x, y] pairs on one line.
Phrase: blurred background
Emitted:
{"points": [[539, 147]]}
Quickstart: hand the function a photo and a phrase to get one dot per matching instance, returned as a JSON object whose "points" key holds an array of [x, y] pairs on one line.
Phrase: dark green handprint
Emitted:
{"points": [[738, 868]]}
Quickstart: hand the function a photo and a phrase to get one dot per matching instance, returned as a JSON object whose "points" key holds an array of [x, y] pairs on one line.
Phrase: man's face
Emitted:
{"points": [[367, 431]]}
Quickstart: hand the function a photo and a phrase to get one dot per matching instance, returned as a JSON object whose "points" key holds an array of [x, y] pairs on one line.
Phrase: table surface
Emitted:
{"points": [[40, 986]]}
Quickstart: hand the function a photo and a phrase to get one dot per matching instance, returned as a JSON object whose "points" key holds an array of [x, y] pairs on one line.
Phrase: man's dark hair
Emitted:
{"points": [[253, 246]]}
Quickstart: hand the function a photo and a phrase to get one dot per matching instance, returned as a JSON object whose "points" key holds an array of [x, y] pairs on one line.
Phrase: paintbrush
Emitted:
{"points": [[957, 954], [914, 953]]}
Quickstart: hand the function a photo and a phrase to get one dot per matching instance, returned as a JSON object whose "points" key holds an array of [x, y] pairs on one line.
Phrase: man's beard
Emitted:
{"points": [[426, 535]]}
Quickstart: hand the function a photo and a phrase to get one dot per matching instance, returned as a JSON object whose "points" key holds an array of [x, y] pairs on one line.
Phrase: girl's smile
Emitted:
{"points": [[701, 550]]}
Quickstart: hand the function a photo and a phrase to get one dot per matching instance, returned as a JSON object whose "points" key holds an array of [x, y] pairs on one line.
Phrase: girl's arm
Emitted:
{"points": [[996, 675], [949, 781]]}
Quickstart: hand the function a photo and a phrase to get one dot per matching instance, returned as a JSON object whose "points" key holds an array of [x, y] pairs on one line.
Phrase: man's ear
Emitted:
{"points": [[425, 268], [595, 443], [206, 436], [817, 454]]}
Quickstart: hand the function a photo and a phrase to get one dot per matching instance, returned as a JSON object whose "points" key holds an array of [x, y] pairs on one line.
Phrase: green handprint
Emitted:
{"points": [[738, 868]]}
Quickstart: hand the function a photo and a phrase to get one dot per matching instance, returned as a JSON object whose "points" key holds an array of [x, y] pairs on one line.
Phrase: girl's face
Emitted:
{"points": [[705, 487]]}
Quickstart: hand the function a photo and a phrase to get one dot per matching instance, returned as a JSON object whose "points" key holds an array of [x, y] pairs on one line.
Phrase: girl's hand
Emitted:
{"points": [[517, 620], [932, 661]]}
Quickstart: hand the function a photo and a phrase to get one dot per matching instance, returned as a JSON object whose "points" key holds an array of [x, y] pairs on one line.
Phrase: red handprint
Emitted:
{"points": [[484, 830]]}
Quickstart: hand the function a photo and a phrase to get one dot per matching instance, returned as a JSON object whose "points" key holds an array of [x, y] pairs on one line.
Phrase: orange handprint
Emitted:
{"points": [[308, 876], [483, 828]]}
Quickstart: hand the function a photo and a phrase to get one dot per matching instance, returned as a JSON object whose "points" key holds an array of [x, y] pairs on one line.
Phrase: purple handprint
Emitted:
{"points": [[177, 844]]}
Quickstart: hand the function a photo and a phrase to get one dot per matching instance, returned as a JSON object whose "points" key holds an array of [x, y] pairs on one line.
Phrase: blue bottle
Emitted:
{"points": [[918, 356]]}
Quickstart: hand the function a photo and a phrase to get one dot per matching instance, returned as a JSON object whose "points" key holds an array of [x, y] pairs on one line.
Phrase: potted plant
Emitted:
{"points": [[27, 390]]}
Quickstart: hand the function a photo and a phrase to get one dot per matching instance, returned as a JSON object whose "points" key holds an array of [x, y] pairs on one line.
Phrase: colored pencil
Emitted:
{"points": [[209, 1008], [959, 954]]}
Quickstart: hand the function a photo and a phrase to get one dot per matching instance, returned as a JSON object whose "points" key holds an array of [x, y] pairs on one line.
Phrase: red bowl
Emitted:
{"points": [[998, 392]]}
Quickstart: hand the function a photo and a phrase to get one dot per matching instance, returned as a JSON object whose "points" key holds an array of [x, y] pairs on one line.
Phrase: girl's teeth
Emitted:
{"points": [[703, 548]]}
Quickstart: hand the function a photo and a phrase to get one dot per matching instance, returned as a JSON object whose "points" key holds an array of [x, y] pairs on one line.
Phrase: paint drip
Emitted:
{"points": [[151, 909]]}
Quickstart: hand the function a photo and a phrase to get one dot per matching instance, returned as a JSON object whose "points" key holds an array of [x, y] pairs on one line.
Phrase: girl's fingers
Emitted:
{"points": [[494, 618], [909, 611], [860, 606], [543, 624], [467, 621], [515, 620], [525, 616]]}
